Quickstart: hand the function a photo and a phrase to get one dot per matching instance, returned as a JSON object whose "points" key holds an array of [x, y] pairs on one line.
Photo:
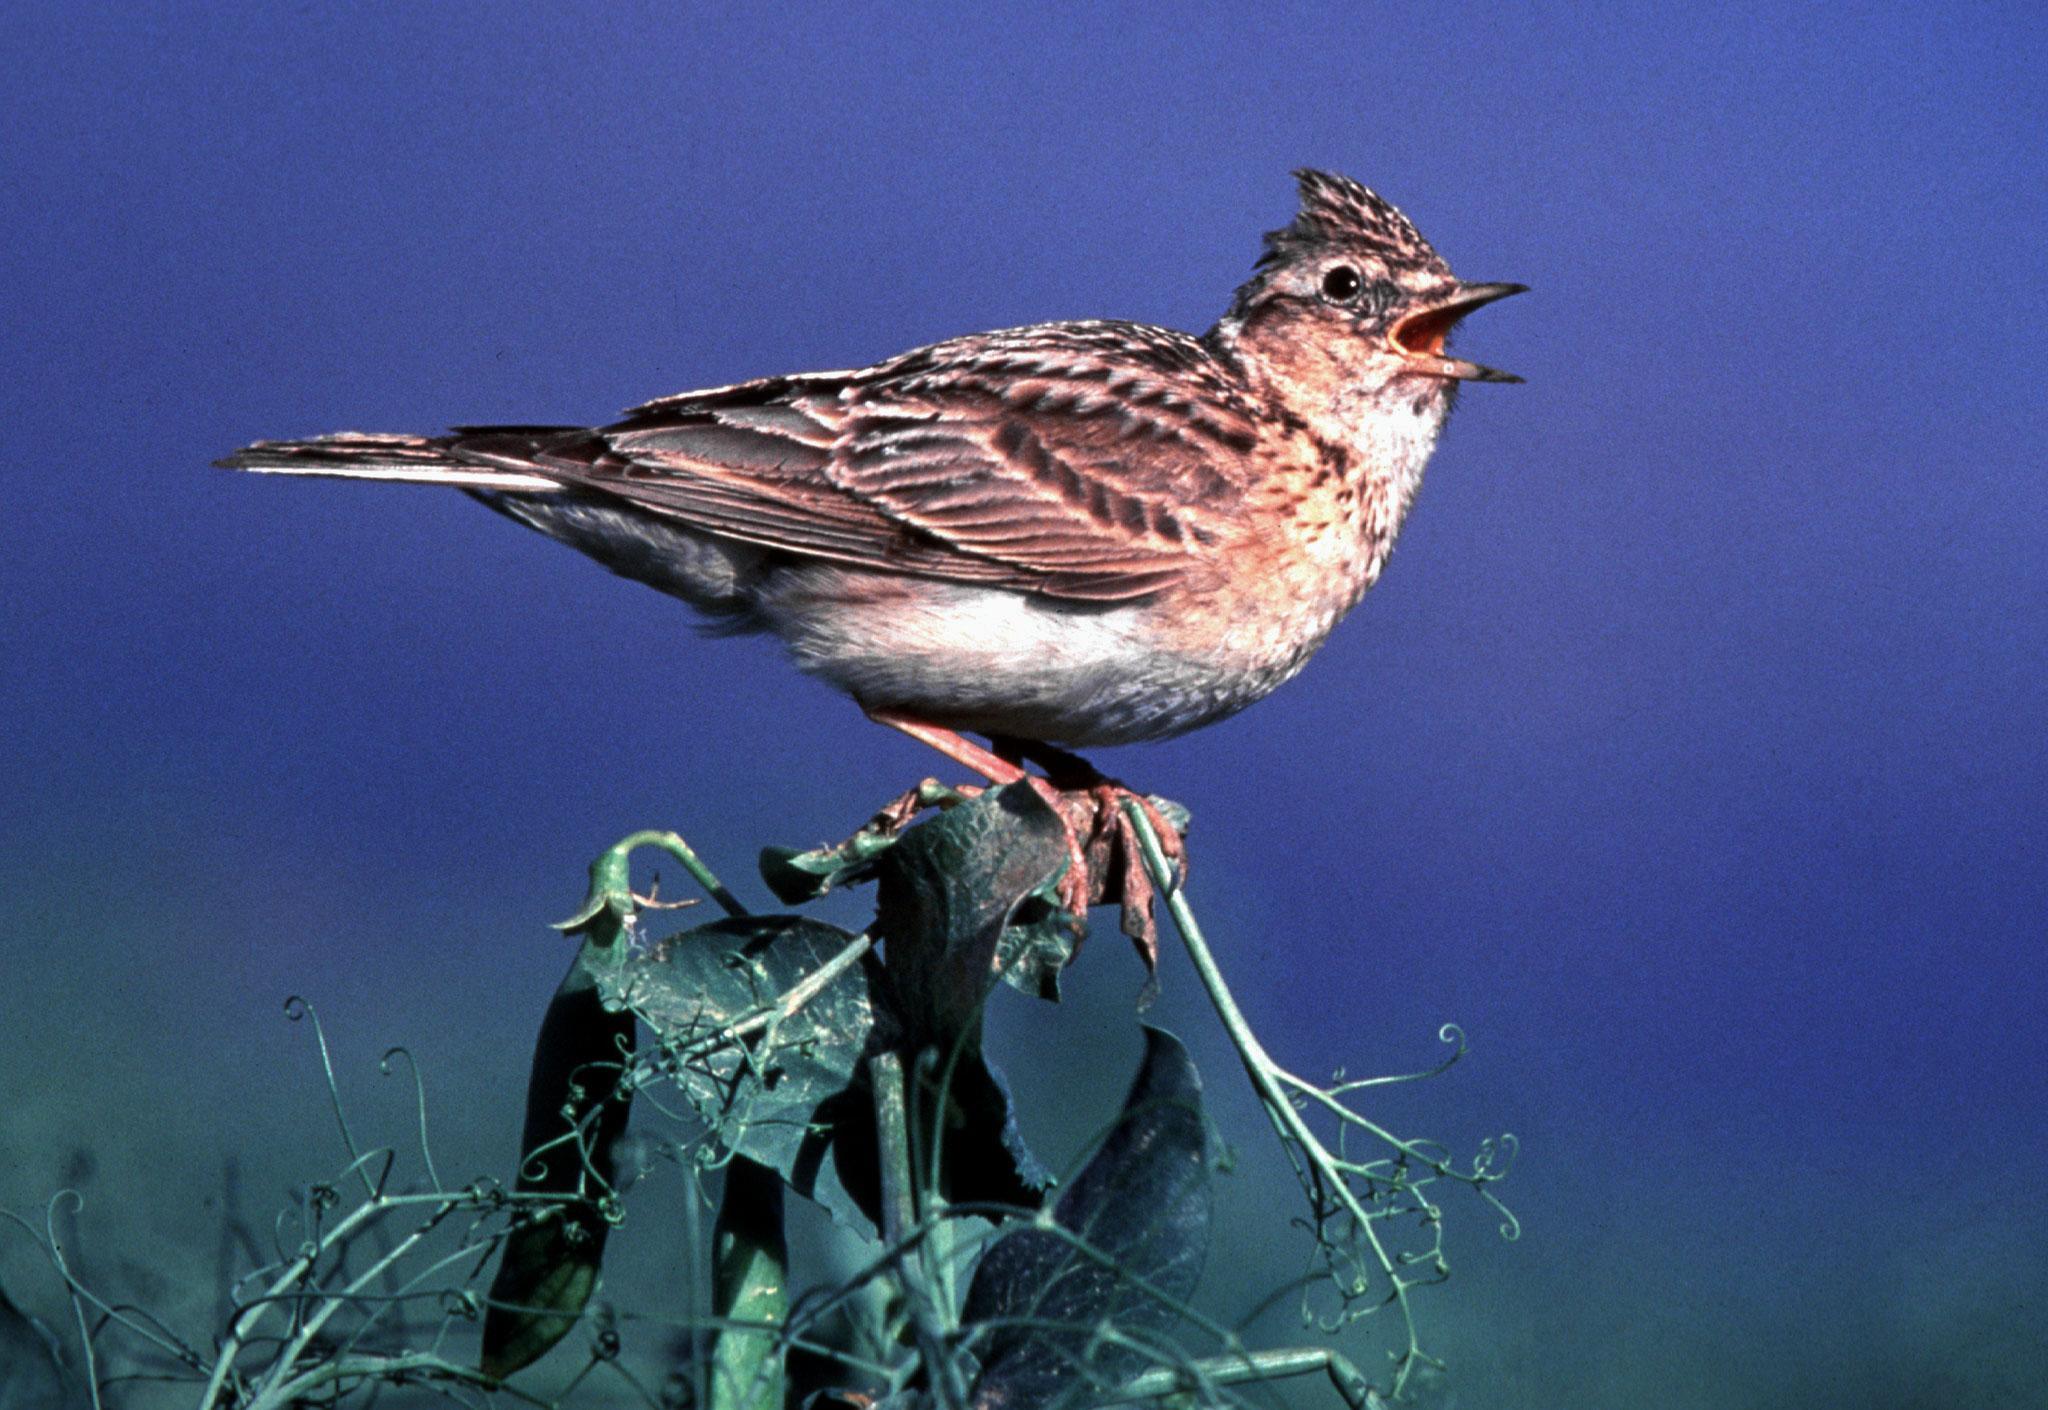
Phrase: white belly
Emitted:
{"points": [[998, 662]]}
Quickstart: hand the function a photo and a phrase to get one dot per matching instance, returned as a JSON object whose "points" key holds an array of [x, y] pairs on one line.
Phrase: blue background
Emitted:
{"points": [[1690, 754]]}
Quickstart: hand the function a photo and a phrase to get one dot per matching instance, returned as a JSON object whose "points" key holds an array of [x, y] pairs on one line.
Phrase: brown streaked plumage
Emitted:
{"points": [[1073, 533]]}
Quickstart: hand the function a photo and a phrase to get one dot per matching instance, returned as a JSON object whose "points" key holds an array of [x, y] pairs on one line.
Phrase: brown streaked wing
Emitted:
{"points": [[755, 474], [1035, 460], [1000, 487], [1107, 458], [751, 473]]}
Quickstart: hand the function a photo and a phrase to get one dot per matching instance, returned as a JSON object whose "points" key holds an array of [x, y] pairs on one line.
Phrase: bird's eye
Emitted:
{"points": [[1341, 284]]}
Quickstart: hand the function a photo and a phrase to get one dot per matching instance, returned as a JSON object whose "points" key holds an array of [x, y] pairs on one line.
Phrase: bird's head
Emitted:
{"points": [[1351, 298]]}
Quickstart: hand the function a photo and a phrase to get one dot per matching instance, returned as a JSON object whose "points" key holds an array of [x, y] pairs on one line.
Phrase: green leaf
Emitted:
{"points": [[792, 1094], [1142, 1208], [1037, 945], [948, 890], [787, 1093], [575, 1111], [796, 877], [948, 894]]}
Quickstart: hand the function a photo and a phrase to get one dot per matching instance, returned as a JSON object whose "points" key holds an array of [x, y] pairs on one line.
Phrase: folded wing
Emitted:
{"points": [[1041, 464]]}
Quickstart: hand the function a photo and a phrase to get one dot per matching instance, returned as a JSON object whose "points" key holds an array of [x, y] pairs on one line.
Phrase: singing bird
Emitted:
{"points": [[1070, 534]]}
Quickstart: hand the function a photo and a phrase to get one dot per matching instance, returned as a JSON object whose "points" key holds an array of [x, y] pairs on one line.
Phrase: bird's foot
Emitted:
{"points": [[1105, 864]]}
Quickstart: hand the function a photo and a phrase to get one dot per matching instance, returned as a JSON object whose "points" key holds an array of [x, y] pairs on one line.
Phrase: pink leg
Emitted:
{"points": [[948, 742]]}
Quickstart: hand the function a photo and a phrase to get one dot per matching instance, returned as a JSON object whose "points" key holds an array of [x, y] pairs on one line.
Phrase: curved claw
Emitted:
{"points": [[1106, 864]]}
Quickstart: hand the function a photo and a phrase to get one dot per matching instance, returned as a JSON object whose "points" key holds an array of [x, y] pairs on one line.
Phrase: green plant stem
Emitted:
{"points": [[223, 1365], [609, 906], [673, 844], [298, 1268], [900, 1225], [1251, 1366], [750, 1285], [411, 1364], [92, 1367], [1271, 1081], [298, 1344]]}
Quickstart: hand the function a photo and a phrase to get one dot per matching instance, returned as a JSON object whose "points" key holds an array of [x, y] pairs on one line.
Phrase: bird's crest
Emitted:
{"points": [[1335, 210]]}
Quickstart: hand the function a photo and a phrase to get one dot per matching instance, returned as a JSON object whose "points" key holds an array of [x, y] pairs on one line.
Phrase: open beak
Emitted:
{"points": [[1419, 334]]}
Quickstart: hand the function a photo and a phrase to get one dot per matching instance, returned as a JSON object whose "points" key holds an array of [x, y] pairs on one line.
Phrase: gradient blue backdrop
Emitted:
{"points": [[1690, 754]]}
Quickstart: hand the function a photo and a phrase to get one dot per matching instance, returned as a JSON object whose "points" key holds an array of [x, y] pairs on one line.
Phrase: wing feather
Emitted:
{"points": [[1035, 460]]}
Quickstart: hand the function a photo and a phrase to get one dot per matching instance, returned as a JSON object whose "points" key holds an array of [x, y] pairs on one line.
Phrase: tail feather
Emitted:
{"points": [[358, 455]]}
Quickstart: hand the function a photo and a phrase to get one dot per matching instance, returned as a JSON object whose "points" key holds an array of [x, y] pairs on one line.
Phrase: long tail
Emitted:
{"points": [[488, 461]]}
